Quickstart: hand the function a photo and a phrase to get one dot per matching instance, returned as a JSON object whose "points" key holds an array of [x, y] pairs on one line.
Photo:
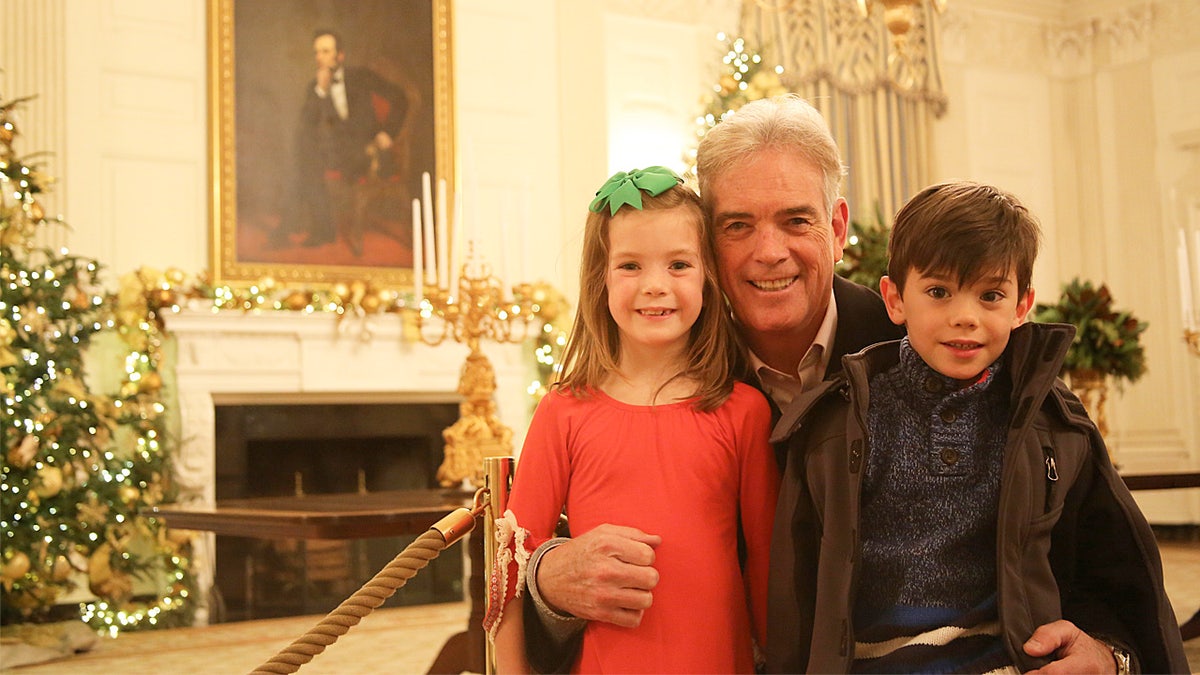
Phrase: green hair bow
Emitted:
{"points": [[626, 188]]}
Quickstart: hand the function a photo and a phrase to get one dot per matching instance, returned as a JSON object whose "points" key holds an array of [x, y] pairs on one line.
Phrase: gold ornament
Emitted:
{"points": [[175, 276], [21, 455], [6, 133], [61, 569], [297, 300], [151, 382], [15, 567], [36, 212], [81, 299], [163, 297], [128, 494], [100, 564], [370, 303], [7, 335], [50, 481]]}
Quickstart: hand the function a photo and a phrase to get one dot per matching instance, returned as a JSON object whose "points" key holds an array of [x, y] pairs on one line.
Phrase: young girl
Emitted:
{"points": [[647, 428]]}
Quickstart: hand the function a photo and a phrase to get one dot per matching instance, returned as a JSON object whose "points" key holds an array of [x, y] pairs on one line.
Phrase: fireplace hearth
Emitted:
{"points": [[312, 362], [280, 450]]}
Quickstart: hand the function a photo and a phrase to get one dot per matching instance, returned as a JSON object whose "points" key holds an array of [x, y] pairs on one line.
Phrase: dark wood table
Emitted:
{"points": [[1169, 481], [352, 516]]}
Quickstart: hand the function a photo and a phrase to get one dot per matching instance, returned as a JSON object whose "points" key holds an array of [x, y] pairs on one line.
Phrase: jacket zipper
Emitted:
{"points": [[1051, 476]]}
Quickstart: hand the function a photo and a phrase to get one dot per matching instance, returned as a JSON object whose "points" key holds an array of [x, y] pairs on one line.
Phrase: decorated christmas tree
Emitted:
{"points": [[78, 469], [743, 77]]}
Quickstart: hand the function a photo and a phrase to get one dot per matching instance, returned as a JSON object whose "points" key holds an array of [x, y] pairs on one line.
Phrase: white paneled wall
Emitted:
{"points": [[31, 64], [138, 163]]}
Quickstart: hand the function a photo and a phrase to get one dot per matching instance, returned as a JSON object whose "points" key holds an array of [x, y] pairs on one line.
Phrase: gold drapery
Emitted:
{"points": [[880, 96]]}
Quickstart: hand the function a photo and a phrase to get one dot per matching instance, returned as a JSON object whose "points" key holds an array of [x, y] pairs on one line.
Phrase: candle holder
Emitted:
{"points": [[476, 310]]}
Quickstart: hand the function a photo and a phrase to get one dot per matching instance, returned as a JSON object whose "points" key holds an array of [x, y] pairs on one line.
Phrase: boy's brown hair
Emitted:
{"points": [[967, 229]]}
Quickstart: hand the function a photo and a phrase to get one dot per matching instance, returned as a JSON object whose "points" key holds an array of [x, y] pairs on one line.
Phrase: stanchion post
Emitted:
{"points": [[497, 475]]}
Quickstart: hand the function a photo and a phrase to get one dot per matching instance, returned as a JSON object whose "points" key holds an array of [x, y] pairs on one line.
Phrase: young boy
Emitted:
{"points": [[947, 496]]}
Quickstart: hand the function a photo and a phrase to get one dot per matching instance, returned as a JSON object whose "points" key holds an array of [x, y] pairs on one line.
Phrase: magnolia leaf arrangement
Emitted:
{"points": [[1106, 339]]}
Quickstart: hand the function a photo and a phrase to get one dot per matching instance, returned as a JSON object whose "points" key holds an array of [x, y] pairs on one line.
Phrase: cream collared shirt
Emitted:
{"points": [[784, 387]]}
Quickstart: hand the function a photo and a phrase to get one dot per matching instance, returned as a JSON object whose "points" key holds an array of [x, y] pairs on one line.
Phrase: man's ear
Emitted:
{"points": [[840, 222], [1024, 305], [892, 298]]}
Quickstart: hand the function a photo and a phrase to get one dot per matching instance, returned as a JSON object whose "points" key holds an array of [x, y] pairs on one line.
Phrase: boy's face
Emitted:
{"points": [[958, 331]]}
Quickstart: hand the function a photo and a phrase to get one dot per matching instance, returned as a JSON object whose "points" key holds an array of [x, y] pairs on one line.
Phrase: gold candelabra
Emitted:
{"points": [[476, 310]]}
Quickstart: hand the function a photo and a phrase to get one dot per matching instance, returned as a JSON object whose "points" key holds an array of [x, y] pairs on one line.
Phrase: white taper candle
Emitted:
{"points": [[418, 268]]}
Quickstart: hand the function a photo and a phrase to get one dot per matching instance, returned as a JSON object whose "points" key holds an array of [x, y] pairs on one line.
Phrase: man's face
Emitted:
{"points": [[326, 53], [776, 247]]}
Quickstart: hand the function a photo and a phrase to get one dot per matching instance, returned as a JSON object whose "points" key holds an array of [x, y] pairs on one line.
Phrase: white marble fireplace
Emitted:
{"points": [[231, 358]]}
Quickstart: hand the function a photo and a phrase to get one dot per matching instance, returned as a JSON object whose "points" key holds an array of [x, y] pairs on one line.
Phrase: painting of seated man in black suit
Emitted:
{"points": [[335, 123]]}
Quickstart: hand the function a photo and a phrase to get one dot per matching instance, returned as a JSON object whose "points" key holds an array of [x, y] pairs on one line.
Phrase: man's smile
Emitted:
{"points": [[773, 284]]}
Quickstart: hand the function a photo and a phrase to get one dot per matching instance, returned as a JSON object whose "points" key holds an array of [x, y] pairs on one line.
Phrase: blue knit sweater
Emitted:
{"points": [[927, 594]]}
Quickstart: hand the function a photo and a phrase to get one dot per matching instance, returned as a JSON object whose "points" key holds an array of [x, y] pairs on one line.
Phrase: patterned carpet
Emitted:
{"points": [[393, 640]]}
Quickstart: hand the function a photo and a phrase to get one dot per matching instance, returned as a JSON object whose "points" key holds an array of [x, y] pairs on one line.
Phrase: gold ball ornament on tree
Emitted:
{"points": [[49, 482], [36, 212], [7, 132], [150, 382], [61, 569], [128, 494], [15, 566]]}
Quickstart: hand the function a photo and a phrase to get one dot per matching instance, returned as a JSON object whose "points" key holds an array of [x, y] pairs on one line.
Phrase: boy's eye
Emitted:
{"points": [[937, 293], [992, 296]]}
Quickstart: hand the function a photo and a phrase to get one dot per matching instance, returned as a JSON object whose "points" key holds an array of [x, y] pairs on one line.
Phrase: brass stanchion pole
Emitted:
{"points": [[497, 475]]}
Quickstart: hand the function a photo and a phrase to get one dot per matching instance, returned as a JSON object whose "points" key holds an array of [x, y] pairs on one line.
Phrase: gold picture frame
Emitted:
{"points": [[268, 192]]}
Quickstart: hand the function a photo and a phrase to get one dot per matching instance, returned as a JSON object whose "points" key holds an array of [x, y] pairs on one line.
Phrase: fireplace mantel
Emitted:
{"points": [[230, 358]]}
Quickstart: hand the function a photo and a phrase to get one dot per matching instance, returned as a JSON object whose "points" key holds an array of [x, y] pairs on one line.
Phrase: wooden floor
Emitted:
{"points": [[399, 640]]}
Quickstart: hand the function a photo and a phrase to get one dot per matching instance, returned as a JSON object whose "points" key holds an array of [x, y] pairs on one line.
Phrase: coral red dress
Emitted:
{"points": [[691, 477]]}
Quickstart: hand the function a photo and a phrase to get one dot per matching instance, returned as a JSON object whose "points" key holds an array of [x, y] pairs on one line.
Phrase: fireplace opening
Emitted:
{"points": [[278, 450]]}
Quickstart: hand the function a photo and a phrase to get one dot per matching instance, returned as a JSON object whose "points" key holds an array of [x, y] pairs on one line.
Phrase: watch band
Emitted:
{"points": [[1122, 659]]}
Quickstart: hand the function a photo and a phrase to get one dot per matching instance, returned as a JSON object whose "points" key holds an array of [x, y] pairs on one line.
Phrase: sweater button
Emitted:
{"points": [[933, 385], [949, 456], [948, 416]]}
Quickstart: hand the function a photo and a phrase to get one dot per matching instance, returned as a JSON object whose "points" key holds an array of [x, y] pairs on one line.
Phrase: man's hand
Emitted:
{"points": [[603, 575], [1073, 650], [324, 78]]}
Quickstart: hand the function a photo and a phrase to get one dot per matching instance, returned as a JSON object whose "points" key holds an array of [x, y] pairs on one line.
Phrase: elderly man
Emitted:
{"points": [[769, 179]]}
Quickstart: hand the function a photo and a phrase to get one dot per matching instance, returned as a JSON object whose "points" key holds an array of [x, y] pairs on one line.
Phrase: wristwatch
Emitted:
{"points": [[1121, 657]]}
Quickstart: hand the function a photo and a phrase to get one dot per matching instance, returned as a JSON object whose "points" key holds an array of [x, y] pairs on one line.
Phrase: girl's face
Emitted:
{"points": [[958, 330], [655, 277]]}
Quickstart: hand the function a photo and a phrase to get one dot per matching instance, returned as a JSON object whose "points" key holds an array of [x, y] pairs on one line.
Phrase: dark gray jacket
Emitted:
{"points": [[1076, 547]]}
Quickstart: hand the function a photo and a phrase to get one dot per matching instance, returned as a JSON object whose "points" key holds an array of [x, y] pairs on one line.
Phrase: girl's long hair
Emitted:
{"points": [[593, 349]]}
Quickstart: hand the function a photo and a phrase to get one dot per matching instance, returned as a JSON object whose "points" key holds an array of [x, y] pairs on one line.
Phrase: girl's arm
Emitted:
{"points": [[510, 640]]}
